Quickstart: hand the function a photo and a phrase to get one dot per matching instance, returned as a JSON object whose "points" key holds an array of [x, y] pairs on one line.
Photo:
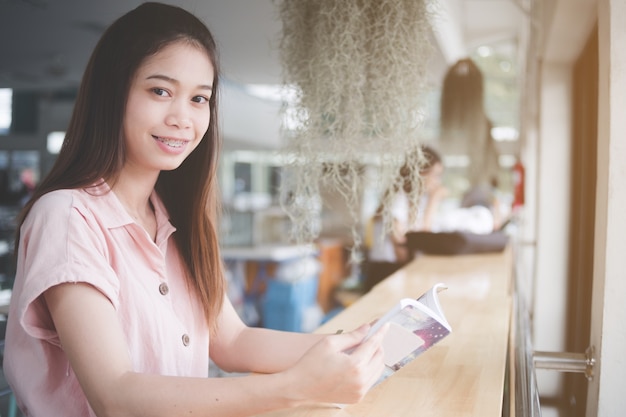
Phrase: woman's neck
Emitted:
{"points": [[134, 195]]}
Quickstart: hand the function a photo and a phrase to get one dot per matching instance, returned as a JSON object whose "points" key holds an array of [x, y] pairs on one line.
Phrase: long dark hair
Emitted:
{"points": [[94, 146]]}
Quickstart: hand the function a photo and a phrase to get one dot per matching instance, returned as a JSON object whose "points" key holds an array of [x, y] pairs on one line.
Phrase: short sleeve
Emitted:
{"points": [[400, 208], [60, 242]]}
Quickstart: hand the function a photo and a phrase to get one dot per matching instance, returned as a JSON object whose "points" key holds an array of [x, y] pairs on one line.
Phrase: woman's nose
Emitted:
{"points": [[179, 115]]}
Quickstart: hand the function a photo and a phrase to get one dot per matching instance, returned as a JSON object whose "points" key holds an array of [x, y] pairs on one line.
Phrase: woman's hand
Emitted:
{"points": [[339, 368], [435, 197]]}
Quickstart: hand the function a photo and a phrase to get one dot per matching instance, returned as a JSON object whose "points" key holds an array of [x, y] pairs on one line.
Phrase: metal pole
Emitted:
{"points": [[566, 361]]}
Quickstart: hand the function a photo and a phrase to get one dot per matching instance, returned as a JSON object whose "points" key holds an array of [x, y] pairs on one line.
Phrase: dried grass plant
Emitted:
{"points": [[359, 68]]}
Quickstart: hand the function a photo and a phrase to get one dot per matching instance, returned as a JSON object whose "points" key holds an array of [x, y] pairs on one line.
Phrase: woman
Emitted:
{"points": [[387, 251], [119, 295]]}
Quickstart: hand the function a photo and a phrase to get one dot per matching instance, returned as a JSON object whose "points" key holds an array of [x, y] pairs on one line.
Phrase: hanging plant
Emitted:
{"points": [[359, 70]]}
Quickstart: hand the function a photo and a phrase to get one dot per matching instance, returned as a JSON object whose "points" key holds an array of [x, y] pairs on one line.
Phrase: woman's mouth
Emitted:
{"points": [[174, 143]]}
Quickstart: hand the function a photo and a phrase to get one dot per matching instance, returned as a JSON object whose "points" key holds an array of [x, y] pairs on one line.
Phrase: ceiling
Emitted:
{"points": [[45, 44], [48, 42]]}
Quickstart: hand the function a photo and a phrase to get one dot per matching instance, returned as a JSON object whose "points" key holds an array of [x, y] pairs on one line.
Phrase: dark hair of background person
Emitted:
{"points": [[94, 146], [462, 99], [431, 158]]}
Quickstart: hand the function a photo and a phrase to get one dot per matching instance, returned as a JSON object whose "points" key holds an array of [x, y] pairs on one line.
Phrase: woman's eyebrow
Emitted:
{"points": [[175, 81]]}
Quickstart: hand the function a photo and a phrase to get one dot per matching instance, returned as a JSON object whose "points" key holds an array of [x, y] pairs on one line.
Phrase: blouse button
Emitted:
{"points": [[186, 339], [164, 289]]}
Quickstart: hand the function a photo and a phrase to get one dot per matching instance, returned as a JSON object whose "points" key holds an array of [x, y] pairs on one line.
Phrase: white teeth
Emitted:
{"points": [[171, 142]]}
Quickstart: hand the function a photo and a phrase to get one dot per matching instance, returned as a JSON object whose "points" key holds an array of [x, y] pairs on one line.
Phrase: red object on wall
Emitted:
{"points": [[518, 184]]}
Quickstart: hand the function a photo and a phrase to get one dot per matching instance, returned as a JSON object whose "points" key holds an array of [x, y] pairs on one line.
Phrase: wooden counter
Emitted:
{"points": [[464, 374]]}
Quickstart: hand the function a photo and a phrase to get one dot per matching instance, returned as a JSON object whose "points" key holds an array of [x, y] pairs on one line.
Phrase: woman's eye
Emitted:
{"points": [[200, 99], [159, 92]]}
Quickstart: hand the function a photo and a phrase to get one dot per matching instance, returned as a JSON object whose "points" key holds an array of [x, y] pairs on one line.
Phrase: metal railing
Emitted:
{"points": [[526, 394]]}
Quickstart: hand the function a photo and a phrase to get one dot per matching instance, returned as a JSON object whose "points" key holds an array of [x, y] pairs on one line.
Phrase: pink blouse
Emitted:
{"points": [[87, 236]]}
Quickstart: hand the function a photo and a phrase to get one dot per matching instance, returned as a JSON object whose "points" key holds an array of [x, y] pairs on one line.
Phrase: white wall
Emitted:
{"points": [[248, 122], [553, 208]]}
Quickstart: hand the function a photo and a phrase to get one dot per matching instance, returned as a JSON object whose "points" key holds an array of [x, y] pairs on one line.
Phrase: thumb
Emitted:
{"points": [[345, 342]]}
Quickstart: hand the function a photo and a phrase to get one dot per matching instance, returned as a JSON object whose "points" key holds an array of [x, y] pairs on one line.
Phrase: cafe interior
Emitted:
{"points": [[533, 300]]}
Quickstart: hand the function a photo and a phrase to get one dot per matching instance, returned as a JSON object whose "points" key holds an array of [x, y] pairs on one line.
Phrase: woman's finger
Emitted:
{"points": [[368, 347]]}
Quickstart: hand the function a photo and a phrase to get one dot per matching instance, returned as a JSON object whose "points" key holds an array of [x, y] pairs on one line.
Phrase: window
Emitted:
{"points": [[6, 104]]}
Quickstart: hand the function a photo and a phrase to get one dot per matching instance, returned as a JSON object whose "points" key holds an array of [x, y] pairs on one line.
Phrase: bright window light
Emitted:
{"points": [[504, 134], [6, 104], [54, 142], [506, 66], [456, 161], [286, 93], [484, 51], [507, 161]]}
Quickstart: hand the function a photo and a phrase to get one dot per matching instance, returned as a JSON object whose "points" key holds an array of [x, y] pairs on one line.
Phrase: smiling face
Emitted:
{"points": [[167, 111]]}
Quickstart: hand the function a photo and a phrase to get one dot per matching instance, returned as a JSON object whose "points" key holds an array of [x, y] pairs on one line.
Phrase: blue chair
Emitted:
{"points": [[12, 406]]}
